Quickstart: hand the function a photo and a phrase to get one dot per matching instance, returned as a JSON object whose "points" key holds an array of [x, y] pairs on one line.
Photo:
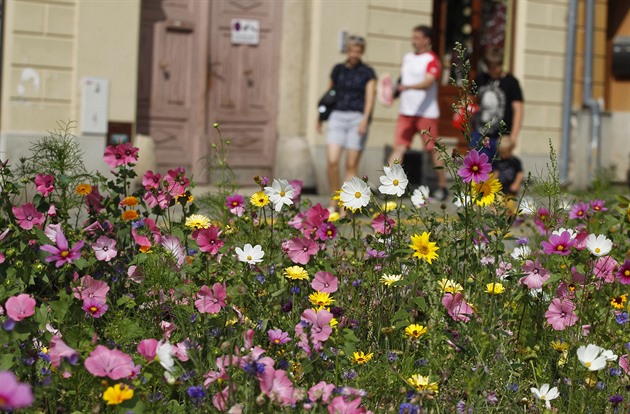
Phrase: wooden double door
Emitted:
{"points": [[192, 75]]}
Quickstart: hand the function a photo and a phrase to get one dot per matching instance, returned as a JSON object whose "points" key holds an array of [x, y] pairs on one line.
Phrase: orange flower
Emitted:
{"points": [[129, 215], [83, 189], [129, 202]]}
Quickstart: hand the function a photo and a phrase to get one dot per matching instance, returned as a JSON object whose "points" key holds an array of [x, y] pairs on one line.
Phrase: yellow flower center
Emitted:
{"points": [[64, 253], [597, 250], [560, 248], [626, 273], [357, 194], [588, 365], [249, 258], [93, 309], [282, 193], [475, 168], [395, 182]]}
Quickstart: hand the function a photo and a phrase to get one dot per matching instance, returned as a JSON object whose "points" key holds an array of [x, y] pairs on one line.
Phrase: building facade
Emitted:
{"points": [[163, 72]]}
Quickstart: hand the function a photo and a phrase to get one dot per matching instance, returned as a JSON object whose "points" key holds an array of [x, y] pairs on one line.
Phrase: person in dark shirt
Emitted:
{"points": [[500, 99], [508, 169], [355, 85]]}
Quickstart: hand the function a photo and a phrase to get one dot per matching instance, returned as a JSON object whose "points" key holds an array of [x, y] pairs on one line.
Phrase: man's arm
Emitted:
{"points": [[517, 121], [370, 92], [425, 84], [516, 185]]}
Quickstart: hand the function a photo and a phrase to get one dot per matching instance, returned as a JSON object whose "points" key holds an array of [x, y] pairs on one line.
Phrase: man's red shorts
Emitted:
{"points": [[408, 126]]}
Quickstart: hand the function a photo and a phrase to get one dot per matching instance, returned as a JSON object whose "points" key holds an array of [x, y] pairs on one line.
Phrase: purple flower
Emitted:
{"points": [[326, 231], [536, 275], [94, 307], [559, 244], [624, 273], [278, 337], [196, 392], [622, 318], [60, 253], [476, 167], [374, 254], [236, 204], [598, 205], [105, 249], [579, 211]]}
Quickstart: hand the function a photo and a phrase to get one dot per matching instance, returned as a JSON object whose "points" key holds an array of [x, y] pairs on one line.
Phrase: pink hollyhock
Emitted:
{"points": [[300, 249], [560, 314], [91, 288], [278, 336], [623, 274], [94, 307], [221, 398], [340, 405], [208, 240], [319, 322], [322, 391], [298, 221], [382, 225], [135, 274], [139, 230], [105, 249], [624, 363], [325, 282], [559, 244], [121, 154], [277, 386], [175, 181], [14, 394], [157, 198], [297, 189], [326, 231], [317, 215], [148, 349], [536, 275], [167, 328], [20, 307], [236, 204], [180, 351], [151, 180], [60, 254], [59, 351], [457, 307], [27, 216], [476, 168], [112, 363], [579, 211], [211, 300], [44, 184], [51, 231], [604, 268], [94, 201]]}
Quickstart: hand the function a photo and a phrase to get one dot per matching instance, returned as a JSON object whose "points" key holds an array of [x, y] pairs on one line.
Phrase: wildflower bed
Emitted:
{"points": [[120, 301]]}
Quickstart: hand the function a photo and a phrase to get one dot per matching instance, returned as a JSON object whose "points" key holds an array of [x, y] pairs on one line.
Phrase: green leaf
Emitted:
{"points": [[134, 405], [6, 361], [81, 263], [421, 303]]}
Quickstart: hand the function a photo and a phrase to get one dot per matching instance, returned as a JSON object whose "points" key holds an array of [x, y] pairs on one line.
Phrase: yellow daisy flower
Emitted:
{"points": [[197, 221], [83, 189], [259, 199], [423, 248], [487, 190], [495, 288], [450, 286], [296, 273], [333, 216], [117, 394], [421, 383], [415, 331], [619, 302], [361, 358], [388, 280], [320, 299], [389, 206], [559, 345]]}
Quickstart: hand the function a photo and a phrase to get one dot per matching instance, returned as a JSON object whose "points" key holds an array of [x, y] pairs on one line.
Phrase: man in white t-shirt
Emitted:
{"points": [[419, 110]]}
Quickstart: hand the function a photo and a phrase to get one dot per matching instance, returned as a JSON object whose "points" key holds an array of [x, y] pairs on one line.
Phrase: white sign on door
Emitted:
{"points": [[245, 32], [94, 106]]}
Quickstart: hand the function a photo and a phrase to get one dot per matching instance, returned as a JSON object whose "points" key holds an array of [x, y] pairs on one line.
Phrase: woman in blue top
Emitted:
{"points": [[355, 85]]}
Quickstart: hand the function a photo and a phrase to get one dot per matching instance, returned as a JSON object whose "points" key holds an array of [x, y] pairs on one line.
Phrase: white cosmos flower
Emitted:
{"points": [[609, 355], [545, 394], [461, 200], [355, 194], [164, 355], [561, 230], [394, 182], [527, 206], [420, 196], [249, 254], [598, 245], [521, 252], [591, 357], [280, 193]]}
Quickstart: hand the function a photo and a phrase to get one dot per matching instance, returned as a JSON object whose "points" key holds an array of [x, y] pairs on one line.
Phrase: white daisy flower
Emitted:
{"points": [[528, 206], [355, 194], [561, 230], [591, 357], [461, 200], [394, 182], [521, 252], [280, 193], [164, 355], [609, 355], [250, 254], [598, 245], [545, 394], [420, 196]]}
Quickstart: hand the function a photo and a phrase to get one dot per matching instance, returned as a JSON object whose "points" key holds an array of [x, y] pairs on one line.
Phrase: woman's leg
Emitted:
{"points": [[333, 156], [353, 157]]}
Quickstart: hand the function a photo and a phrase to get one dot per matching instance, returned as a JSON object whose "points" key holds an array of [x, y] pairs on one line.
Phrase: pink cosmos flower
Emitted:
{"points": [[277, 386], [542, 220], [27, 216], [59, 351], [326, 231], [623, 274], [157, 198], [91, 288], [14, 394], [561, 314], [598, 205], [567, 290], [340, 405], [297, 189], [51, 231], [559, 244], [180, 351], [105, 249], [44, 184], [167, 328], [135, 274], [148, 349], [151, 180], [236, 204], [60, 254], [579, 211], [211, 300], [208, 240], [278, 336], [457, 307], [121, 154], [94, 307], [322, 391], [319, 322], [112, 363], [604, 268], [20, 307], [325, 282], [476, 167], [624, 363], [176, 182], [221, 398], [536, 274], [300, 249], [382, 225], [374, 254]]}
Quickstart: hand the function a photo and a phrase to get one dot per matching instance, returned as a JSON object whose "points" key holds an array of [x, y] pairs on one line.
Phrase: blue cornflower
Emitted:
{"points": [[522, 241], [261, 279], [196, 392], [512, 387], [138, 224], [357, 282], [622, 318], [615, 372], [8, 325], [295, 290], [407, 408], [615, 399], [392, 356]]}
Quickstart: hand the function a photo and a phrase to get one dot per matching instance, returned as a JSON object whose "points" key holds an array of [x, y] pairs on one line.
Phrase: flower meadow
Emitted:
{"points": [[123, 298]]}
